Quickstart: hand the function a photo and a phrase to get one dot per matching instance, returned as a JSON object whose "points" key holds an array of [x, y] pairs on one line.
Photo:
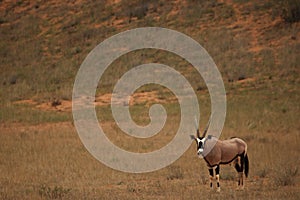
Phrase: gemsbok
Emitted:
{"points": [[233, 150]]}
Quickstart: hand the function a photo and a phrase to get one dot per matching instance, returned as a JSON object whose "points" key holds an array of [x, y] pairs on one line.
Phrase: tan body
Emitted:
{"points": [[224, 151]]}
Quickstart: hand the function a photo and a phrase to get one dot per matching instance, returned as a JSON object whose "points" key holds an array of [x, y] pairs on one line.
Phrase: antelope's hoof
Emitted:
{"points": [[239, 188]]}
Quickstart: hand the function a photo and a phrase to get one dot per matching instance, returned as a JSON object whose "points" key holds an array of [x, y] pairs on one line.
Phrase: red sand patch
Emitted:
{"points": [[103, 100]]}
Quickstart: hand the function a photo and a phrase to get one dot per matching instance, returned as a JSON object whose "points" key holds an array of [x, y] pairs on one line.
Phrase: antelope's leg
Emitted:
{"points": [[211, 176], [218, 177], [238, 169], [242, 160], [241, 179]]}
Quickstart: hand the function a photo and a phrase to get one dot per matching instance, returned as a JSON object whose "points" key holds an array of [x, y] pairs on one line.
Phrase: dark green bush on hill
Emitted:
{"points": [[290, 10]]}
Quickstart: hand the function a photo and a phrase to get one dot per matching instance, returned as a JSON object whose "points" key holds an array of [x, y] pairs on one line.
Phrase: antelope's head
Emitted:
{"points": [[200, 140]]}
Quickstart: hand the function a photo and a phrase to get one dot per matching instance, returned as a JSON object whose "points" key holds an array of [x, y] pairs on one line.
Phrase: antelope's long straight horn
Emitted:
{"points": [[206, 128], [196, 127], [198, 133]]}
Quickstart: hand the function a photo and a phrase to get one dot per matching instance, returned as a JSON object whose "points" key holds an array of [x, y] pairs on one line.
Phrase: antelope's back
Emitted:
{"points": [[235, 145]]}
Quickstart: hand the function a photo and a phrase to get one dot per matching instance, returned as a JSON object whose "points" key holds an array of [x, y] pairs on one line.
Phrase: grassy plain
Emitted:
{"points": [[42, 46]]}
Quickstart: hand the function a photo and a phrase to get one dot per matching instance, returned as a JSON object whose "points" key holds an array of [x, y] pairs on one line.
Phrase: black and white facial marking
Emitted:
{"points": [[200, 145]]}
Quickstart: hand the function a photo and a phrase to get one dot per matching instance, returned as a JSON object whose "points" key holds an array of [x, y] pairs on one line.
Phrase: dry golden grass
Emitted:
{"points": [[254, 47], [49, 161]]}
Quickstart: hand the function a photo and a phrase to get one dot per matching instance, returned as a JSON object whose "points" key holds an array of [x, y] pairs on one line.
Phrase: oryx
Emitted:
{"points": [[223, 152]]}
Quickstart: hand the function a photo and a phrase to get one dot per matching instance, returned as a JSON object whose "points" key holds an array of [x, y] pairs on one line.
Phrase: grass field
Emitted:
{"points": [[255, 45]]}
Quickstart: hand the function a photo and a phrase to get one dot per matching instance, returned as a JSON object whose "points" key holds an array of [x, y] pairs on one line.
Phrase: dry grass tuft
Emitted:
{"points": [[57, 192], [174, 172], [286, 176]]}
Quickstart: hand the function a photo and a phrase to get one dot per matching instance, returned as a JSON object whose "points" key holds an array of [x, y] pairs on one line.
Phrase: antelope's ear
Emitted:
{"points": [[192, 137]]}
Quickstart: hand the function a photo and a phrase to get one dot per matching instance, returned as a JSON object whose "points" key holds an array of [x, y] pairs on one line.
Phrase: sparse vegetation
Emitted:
{"points": [[262, 173], [255, 45], [56, 192], [228, 173], [290, 10], [174, 172], [285, 175]]}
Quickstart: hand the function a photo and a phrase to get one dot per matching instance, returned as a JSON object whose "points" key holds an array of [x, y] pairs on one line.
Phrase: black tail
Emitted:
{"points": [[246, 160]]}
